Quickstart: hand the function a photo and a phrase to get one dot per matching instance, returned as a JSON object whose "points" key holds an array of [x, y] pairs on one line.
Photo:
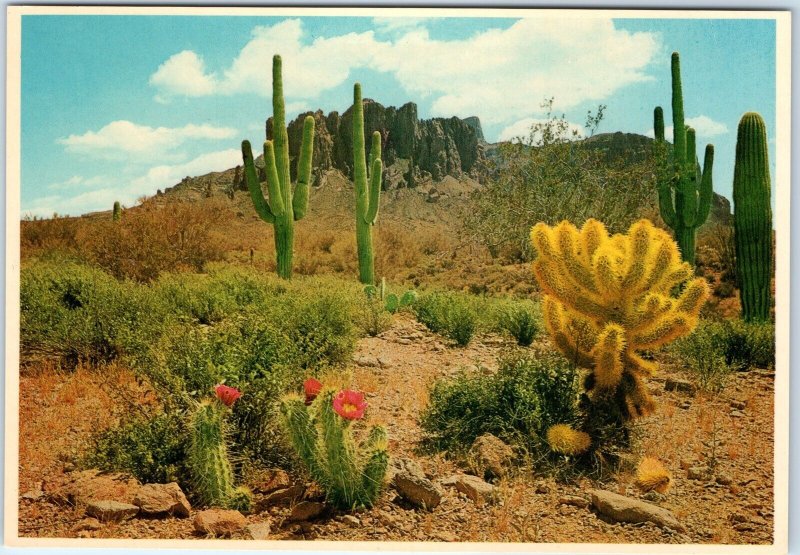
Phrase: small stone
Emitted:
{"points": [[271, 480], [654, 497], [287, 495], [680, 386], [32, 495], [259, 530], [490, 457], [162, 499], [542, 488], [574, 500], [476, 489], [350, 520], [111, 511], [738, 405], [685, 405], [83, 534], [737, 414], [306, 510], [567, 509], [445, 536], [219, 522], [86, 524], [744, 527], [449, 481], [367, 361], [724, 480], [697, 472], [624, 509], [404, 341], [417, 489]]}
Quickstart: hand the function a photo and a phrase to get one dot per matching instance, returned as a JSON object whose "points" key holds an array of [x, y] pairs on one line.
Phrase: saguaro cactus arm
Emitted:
{"points": [[300, 195], [706, 185], [254, 185], [375, 178]]}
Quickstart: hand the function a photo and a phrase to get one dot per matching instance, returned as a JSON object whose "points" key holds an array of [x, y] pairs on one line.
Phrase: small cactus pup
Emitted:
{"points": [[208, 460], [605, 299], [319, 427], [367, 189], [752, 218], [116, 213], [284, 205], [684, 189]]}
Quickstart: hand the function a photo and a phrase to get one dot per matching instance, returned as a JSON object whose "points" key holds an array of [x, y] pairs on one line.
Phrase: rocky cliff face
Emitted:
{"points": [[414, 150]]}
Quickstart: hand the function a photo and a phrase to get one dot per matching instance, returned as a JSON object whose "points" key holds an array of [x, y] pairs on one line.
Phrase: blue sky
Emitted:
{"points": [[116, 107]]}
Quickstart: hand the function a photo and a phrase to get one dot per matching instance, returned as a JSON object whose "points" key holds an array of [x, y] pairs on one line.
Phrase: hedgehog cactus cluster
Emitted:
{"points": [[684, 189], [208, 459], [284, 205], [318, 425], [607, 298], [367, 178], [752, 219]]}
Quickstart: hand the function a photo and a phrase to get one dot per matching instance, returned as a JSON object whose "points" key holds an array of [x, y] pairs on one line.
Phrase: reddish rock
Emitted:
{"points": [[162, 500], [82, 487], [219, 522], [306, 510], [271, 480]]}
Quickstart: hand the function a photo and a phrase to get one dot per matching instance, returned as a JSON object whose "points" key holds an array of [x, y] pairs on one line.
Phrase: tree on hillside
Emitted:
{"points": [[556, 174]]}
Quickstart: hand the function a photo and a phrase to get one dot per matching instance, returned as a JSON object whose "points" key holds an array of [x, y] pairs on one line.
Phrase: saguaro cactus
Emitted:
{"points": [[752, 218], [684, 189], [284, 205], [116, 213], [367, 200]]}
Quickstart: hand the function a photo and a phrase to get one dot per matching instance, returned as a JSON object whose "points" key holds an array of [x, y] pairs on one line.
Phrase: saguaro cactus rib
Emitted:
{"points": [[684, 189], [753, 217], [284, 206], [367, 189]]}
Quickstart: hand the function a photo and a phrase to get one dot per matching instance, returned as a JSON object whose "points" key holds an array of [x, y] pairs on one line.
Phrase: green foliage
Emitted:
{"points": [[749, 344], [74, 313], [285, 205], [152, 450], [350, 473], [207, 459], [522, 320], [752, 218], [557, 174], [367, 180], [684, 189], [447, 313], [529, 393], [373, 319]]}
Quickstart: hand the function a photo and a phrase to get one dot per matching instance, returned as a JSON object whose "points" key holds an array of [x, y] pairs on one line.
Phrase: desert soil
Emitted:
{"points": [[731, 432]]}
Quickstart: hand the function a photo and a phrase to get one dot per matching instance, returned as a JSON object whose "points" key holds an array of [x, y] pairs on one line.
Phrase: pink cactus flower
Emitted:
{"points": [[349, 404], [312, 387], [227, 395]]}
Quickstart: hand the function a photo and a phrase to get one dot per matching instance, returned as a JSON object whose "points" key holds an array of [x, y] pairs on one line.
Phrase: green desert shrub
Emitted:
{"points": [[530, 392], [749, 344], [450, 314], [150, 449], [703, 353], [77, 313], [521, 320]]}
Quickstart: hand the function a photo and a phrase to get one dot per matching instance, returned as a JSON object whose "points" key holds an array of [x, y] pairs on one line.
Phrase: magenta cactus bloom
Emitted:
{"points": [[349, 404], [312, 387], [227, 395]]}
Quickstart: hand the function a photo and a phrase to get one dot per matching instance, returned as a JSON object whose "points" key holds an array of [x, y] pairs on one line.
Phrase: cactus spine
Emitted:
{"points": [[210, 467], [367, 198], [607, 297], [116, 213], [684, 190], [284, 206], [350, 474], [752, 217]]}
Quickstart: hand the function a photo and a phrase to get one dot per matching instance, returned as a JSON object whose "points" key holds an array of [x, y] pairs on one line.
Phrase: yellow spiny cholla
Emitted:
{"points": [[567, 441], [607, 297], [652, 475]]}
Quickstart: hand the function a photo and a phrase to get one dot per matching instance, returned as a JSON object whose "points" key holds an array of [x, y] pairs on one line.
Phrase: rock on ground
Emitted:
{"points": [[219, 522], [476, 489], [83, 486], [258, 531], [306, 510], [162, 500], [490, 457], [111, 511], [413, 486], [624, 509]]}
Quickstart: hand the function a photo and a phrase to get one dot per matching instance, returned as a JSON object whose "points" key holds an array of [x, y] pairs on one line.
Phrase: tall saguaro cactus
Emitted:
{"points": [[752, 217], [284, 206], [684, 190], [367, 199], [116, 213]]}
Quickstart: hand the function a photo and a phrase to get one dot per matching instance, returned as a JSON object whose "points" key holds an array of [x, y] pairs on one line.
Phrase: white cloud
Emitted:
{"points": [[183, 73], [125, 138], [522, 128], [497, 74], [392, 24], [77, 182], [128, 191], [704, 127]]}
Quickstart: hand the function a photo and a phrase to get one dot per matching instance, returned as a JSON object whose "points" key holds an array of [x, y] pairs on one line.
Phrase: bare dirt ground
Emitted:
{"points": [[731, 432]]}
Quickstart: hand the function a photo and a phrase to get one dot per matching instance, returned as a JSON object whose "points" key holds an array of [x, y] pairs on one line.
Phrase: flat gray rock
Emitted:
{"points": [[111, 511], [625, 509]]}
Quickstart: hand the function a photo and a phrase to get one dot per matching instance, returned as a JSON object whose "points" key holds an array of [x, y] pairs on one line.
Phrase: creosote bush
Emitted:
{"points": [[530, 392], [521, 320], [449, 314]]}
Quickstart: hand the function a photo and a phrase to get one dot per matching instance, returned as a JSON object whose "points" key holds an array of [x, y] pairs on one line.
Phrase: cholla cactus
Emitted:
{"points": [[208, 461], [607, 297], [350, 474], [651, 475], [565, 440]]}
